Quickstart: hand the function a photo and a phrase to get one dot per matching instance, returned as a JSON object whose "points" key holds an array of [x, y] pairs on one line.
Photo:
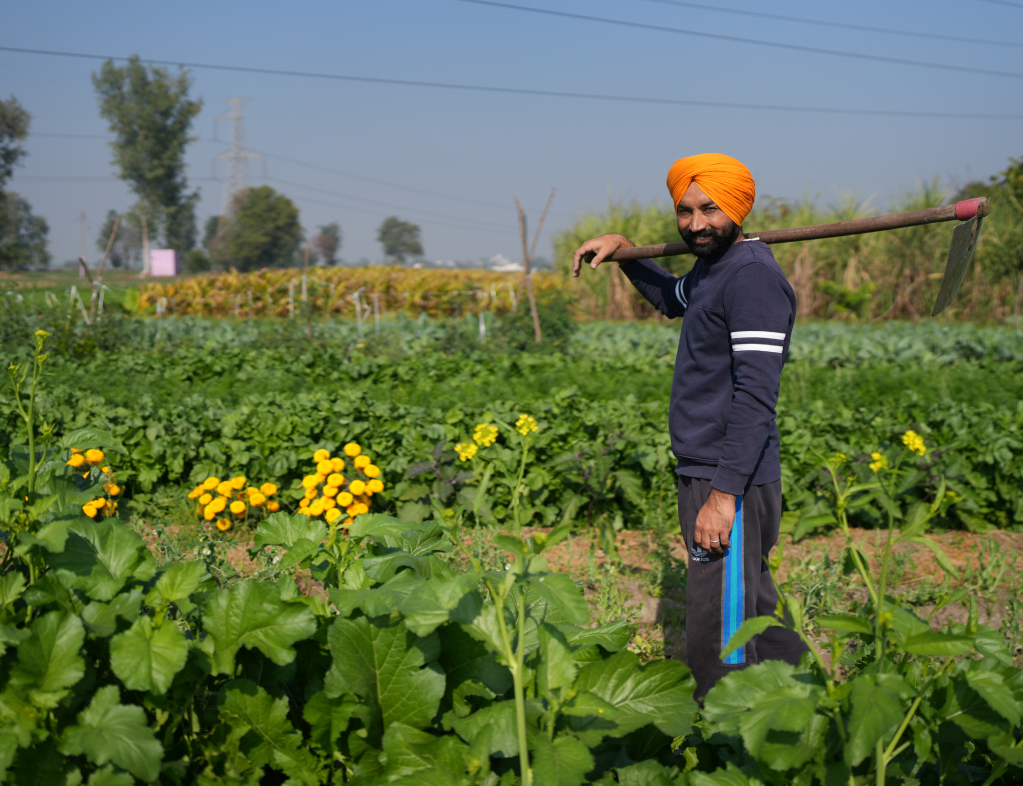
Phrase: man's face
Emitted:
{"points": [[703, 225]]}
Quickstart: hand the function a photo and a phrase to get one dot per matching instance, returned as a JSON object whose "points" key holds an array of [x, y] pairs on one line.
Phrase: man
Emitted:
{"points": [[739, 311]]}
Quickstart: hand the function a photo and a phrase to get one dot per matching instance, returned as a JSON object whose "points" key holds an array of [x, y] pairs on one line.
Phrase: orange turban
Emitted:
{"points": [[722, 178]]}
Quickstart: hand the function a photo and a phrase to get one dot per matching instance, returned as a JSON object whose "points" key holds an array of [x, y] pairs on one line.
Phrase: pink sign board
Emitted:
{"points": [[163, 262]]}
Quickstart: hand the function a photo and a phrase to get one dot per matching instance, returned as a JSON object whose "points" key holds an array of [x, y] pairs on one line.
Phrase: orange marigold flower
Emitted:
{"points": [[311, 481], [328, 503], [269, 489], [238, 508], [330, 491], [311, 493], [75, 450], [335, 479], [303, 503], [89, 510], [94, 456], [223, 524], [332, 515], [372, 471], [376, 486], [225, 488], [321, 455], [238, 483], [196, 492], [273, 506], [210, 483], [112, 489], [205, 499], [361, 461], [105, 470], [257, 500], [76, 460], [210, 512]]}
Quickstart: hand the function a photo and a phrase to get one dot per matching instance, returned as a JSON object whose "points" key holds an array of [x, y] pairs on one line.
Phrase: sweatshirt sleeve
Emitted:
{"points": [[759, 314], [667, 294]]}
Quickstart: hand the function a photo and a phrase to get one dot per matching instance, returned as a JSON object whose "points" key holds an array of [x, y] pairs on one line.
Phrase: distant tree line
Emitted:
{"points": [[23, 235]]}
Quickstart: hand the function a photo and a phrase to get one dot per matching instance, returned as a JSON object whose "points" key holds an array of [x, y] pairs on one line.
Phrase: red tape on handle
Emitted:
{"points": [[967, 209]]}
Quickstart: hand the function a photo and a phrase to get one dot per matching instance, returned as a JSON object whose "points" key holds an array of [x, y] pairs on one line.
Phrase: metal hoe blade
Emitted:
{"points": [[964, 240]]}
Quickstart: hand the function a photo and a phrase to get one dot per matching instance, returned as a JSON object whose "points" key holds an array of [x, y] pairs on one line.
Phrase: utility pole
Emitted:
{"points": [[237, 156], [81, 244]]}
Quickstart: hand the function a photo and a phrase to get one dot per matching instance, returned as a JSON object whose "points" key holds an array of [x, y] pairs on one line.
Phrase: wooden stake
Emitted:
{"points": [[527, 281], [99, 275]]}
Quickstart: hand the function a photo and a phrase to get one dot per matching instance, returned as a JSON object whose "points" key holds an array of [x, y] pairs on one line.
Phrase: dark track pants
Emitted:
{"points": [[724, 590]]}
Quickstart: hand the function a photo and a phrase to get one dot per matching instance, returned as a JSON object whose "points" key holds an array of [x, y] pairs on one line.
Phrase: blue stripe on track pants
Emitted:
{"points": [[724, 590]]}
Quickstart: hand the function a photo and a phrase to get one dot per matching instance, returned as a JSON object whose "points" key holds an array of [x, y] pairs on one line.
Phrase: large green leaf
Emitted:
{"points": [[380, 600], [179, 581], [11, 587], [562, 594], [89, 437], [612, 637], [876, 712], [328, 718], [499, 718], [463, 659], [11, 636], [754, 626], [432, 603], [970, 711], [933, 644], [388, 667], [660, 693], [104, 555], [252, 614], [101, 618], [49, 662], [420, 757], [563, 762], [280, 529], [108, 731], [993, 689], [147, 656], [557, 667]]}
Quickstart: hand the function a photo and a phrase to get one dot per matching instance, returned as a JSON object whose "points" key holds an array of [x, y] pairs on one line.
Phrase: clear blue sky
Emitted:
{"points": [[475, 150]]}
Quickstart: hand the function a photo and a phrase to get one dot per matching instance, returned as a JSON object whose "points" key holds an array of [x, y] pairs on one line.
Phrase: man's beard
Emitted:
{"points": [[720, 241]]}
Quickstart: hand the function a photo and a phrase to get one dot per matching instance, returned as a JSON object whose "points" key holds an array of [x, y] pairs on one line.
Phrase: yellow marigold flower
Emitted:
{"points": [[311, 481], [303, 503], [484, 434], [99, 504], [94, 456], [880, 461], [361, 507], [257, 500], [321, 455], [76, 460], [89, 510], [316, 508], [361, 461], [302, 511], [914, 442], [75, 450], [205, 499], [328, 503], [250, 490], [338, 464], [210, 512], [525, 424], [344, 499], [466, 450], [111, 507], [311, 493], [332, 515], [112, 489], [347, 523], [196, 492], [223, 524], [219, 503], [330, 491], [335, 479], [372, 471], [376, 486], [226, 489], [324, 468], [269, 489], [210, 483], [352, 449], [273, 506], [238, 507], [105, 470], [352, 509], [357, 487]]}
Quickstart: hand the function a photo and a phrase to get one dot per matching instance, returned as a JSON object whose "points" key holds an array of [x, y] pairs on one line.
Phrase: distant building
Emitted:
{"points": [[163, 262]]}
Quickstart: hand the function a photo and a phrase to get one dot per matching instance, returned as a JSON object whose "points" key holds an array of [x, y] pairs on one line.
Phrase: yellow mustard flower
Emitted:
{"points": [[325, 467], [525, 424], [344, 499], [372, 471], [89, 510], [238, 508], [330, 491], [338, 464], [361, 461], [485, 434], [880, 461], [210, 483], [914, 442], [466, 450], [311, 481], [332, 515], [257, 500], [269, 489], [76, 460], [321, 455], [335, 479], [273, 506], [223, 524], [357, 487], [94, 456], [196, 492], [376, 486], [353, 449], [205, 499]]}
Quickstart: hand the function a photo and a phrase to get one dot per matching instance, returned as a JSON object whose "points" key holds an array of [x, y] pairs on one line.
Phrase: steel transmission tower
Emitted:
{"points": [[237, 156]]}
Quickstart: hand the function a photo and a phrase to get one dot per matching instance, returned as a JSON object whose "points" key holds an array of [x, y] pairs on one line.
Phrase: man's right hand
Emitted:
{"points": [[598, 249]]}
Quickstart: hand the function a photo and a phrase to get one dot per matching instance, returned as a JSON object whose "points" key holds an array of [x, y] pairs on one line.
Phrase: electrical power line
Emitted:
{"points": [[1005, 2], [533, 92], [738, 39], [840, 25]]}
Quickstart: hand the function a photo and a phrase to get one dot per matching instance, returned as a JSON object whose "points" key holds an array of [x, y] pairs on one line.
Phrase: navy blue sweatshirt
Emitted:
{"points": [[735, 336]]}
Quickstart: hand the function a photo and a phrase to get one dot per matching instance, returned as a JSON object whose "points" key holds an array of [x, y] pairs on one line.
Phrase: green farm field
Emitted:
{"points": [[507, 606]]}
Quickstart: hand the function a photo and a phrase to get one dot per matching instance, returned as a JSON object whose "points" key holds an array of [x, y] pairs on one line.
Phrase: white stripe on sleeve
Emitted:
{"points": [[755, 348], [758, 334], [678, 291]]}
